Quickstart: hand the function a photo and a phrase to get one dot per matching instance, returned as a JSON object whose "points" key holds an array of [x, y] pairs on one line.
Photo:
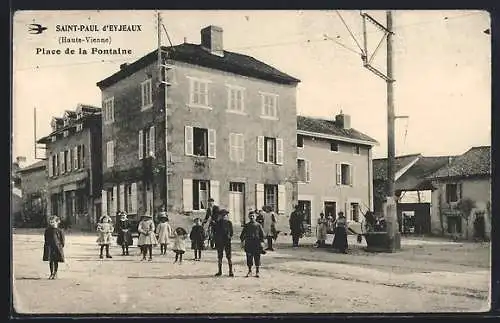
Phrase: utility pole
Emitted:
{"points": [[163, 67], [391, 150]]}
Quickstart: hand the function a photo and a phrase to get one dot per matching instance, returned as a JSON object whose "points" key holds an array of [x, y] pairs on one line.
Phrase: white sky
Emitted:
{"points": [[441, 66]]}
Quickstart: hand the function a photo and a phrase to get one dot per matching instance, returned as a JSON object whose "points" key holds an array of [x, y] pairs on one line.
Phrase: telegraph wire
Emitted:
{"points": [[349, 30]]}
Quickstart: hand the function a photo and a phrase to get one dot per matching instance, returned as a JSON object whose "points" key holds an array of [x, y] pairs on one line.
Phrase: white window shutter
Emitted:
{"points": [[70, 160], [141, 144], [308, 171], [212, 143], [281, 199], [152, 141], [50, 166], [347, 211], [187, 194], [279, 151], [122, 198], [338, 174], [351, 173], [104, 203], [115, 199], [62, 162], [188, 140], [242, 148], [232, 146], [260, 149], [259, 196], [214, 191], [75, 157], [133, 197]]}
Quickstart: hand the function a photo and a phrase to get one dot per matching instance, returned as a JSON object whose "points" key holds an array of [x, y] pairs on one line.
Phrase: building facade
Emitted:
{"points": [[231, 133], [74, 167], [465, 177], [34, 193], [334, 169]]}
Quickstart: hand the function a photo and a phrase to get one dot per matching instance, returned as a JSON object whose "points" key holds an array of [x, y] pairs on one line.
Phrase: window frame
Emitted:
{"points": [[241, 101], [108, 111], [110, 153], [264, 105], [192, 93], [448, 199], [146, 105], [197, 201]]}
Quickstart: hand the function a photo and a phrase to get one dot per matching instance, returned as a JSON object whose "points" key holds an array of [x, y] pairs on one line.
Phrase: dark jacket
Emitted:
{"points": [[297, 222], [223, 230], [252, 236], [212, 214], [124, 237], [53, 245], [197, 233]]}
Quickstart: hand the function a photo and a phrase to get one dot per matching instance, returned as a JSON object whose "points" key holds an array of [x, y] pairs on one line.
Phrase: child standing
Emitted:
{"points": [[124, 235], [105, 233], [53, 246], [164, 232], [147, 236], [179, 243], [197, 237]]}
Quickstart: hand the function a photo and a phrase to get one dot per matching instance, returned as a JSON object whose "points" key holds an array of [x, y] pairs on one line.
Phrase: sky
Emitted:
{"points": [[441, 59]]}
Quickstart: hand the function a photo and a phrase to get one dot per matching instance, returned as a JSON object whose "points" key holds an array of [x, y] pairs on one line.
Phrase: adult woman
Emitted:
{"points": [[321, 230], [340, 239]]}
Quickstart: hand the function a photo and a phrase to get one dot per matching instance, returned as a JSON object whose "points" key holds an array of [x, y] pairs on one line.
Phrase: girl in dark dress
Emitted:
{"points": [[124, 238], [53, 246], [340, 238], [197, 237]]}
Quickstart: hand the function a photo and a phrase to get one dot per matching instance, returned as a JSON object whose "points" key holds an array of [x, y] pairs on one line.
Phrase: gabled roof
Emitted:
{"points": [[328, 127], [474, 162], [194, 54], [415, 178], [41, 164], [380, 165]]}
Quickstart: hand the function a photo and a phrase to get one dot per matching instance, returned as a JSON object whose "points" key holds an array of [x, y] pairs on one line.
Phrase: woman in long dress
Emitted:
{"points": [[321, 230], [340, 239]]}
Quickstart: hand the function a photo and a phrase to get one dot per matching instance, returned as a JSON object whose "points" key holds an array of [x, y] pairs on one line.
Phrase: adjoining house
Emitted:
{"points": [[73, 150], [334, 168], [231, 133], [34, 188], [465, 178], [412, 188], [16, 196]]}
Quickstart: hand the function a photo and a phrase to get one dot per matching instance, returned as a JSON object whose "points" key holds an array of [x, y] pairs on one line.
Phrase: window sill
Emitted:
{"points": [[147, 107], [237, 112], [108, 122], [269, 118], [199, 106]]}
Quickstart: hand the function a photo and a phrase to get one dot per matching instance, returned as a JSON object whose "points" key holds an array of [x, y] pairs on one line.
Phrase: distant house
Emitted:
{"points": [[412, 188], [465, 177], [334, 168], [74, 166], [34, 187]]}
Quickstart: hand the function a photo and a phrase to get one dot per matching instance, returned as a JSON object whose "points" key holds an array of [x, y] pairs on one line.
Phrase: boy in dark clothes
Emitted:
{"points": [[197, 237], [53, 246]]}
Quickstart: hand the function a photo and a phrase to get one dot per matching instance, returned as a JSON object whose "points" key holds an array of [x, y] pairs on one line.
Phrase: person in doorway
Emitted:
{"points": [[124, 238], [147, 238], [180, 235], [296, 226], [164, 232], [252, 237], [321, 230], [340, 238], [197, 237], [53, 246], [223, 235], [268, 225], [104, 235], [212, 215]]}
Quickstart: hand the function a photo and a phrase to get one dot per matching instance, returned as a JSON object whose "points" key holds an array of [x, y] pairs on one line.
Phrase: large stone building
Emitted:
{"points": [[74, 167], [334, 164], [34, 193], [231, 133]]}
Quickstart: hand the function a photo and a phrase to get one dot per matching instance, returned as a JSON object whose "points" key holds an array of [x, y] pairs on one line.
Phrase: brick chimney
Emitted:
{"points": [[211, 40], [343, 121]]}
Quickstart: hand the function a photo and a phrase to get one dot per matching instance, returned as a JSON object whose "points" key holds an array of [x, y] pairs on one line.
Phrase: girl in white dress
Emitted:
{"points": [[164, 232]]}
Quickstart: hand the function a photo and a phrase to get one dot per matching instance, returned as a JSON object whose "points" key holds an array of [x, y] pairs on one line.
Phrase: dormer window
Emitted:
{"points": [[53, 138], [79, 127], [66, 133], [79, 116], [66, 122]]}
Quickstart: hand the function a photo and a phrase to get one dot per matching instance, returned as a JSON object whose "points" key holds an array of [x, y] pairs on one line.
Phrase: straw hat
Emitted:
{"points": [[163, 214]]}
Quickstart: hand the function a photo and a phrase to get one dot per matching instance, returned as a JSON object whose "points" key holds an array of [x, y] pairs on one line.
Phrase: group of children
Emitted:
{"points": [[150, 236]]}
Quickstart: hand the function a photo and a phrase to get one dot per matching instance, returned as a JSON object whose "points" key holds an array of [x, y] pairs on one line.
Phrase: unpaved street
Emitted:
{"points": [[426, 276]]}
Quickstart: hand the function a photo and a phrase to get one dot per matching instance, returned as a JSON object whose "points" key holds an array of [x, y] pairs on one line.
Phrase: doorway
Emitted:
{"points": [[330, 209], [305, 207], [237, 202]]}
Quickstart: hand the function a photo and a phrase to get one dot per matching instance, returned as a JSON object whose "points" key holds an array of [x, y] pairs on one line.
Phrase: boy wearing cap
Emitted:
{"points": [[211, 217], [251, 237], [223, 234]]}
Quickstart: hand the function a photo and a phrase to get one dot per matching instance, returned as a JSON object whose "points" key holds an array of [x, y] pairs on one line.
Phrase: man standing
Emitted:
{"points": [[223, 234], [251, 237], [296, 226], [211, 217], [268, 225]]}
